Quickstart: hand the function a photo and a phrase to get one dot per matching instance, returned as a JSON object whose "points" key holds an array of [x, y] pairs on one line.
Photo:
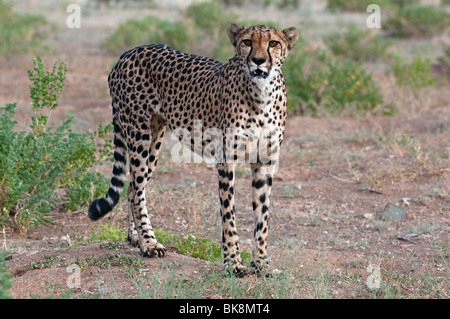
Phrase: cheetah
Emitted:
{"points": [[154, 86]]}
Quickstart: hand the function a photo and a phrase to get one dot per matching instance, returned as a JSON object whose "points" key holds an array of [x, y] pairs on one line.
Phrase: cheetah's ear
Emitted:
{"points": [[292, 35], [233, 31]]}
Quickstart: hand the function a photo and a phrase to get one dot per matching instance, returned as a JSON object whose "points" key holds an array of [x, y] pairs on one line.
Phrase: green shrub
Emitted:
{"points": [[444, 61], [109, 233], [83, 189], [357, 44], [20, 32], [404, 3], [202, 248], [38, 160], [5, 277], [288, 3], [265, 3], [210, 16], [417, 21], [352, 5], [361, 5], [148, 30], [237, 3], [210, 20], [316, 83], [120, 3], [415, 75]]}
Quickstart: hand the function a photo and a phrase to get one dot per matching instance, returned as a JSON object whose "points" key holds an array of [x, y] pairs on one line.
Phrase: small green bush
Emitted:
{"points": [[109, 233], [444, 61], [210, 20], [352, 5], [83, 189], [202, 248], [417, 21], [237, 3], [210, 16], [414, 76], [20, 32], [279, 3], [5, 277], [361, 5], [288, 3], [148, 30], [404, 3], [317, 83], [357, 44], [38, 160]]}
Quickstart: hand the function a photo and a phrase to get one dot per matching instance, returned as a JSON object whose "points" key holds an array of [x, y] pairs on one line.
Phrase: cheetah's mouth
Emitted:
{"points": [[258, 73]]}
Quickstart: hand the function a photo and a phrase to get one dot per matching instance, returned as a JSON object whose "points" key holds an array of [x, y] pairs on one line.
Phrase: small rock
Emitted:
{"points": [[66, 240], [277, 271], [395, 213]]}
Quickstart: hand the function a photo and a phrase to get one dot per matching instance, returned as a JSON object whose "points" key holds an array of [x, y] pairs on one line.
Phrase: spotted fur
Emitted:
{"points": [[154, 85]]}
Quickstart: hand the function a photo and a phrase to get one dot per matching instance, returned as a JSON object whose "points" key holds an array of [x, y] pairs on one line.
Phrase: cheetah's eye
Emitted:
{"points": [[273, 44], [248, 43]]}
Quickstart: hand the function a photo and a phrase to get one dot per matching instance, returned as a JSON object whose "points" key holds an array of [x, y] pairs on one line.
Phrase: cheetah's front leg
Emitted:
{"points": [[261, 188], [230, 240]]}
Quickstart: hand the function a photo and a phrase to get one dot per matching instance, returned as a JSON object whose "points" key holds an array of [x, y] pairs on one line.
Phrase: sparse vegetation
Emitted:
{"points": [[358, 44], [319, 84], [444, 62], [166, 283], [135, 32], [414, 76], [265, 3], [210, 20], [20, 32], [417, 21], [361, 5], [5, 277], [109, 233], [202, 248], [351, 5], [38, 161]]}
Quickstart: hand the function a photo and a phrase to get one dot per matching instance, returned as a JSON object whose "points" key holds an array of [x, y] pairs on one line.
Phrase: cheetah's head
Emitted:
{"points": [[262, 48]]}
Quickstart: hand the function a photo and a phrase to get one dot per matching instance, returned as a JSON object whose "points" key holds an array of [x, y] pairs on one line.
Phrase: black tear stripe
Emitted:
{"points": [[248, 56], [270, 57]]}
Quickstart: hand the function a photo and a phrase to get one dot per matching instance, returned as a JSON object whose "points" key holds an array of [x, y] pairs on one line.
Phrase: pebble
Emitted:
{"points": [[393, 212], [66, 240]]}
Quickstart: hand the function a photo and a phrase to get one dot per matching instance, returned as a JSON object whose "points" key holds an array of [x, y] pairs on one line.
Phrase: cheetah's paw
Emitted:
{"points": [[154, 249]]}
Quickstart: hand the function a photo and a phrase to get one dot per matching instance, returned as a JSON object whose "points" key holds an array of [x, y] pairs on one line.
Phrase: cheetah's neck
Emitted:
{"points": [[261, 91]]}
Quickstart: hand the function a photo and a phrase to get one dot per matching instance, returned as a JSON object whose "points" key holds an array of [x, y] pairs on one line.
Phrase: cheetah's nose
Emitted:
{"points": [[258, 61]]}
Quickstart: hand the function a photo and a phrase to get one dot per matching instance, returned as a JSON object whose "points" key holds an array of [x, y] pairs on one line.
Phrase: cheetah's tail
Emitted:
{"points": [[101, 207]]}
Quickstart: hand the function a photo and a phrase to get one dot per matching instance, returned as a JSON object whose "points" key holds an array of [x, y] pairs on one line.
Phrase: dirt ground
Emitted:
{"points": [[326, 215], [354, 200]]}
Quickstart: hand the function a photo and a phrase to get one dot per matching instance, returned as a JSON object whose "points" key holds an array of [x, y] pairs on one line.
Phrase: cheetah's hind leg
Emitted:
{"points": [[143, 160], [133, 236]]}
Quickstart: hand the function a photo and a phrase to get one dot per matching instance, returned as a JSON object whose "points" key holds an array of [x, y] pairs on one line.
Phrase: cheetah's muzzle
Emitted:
{"points": [[258, 73]]}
